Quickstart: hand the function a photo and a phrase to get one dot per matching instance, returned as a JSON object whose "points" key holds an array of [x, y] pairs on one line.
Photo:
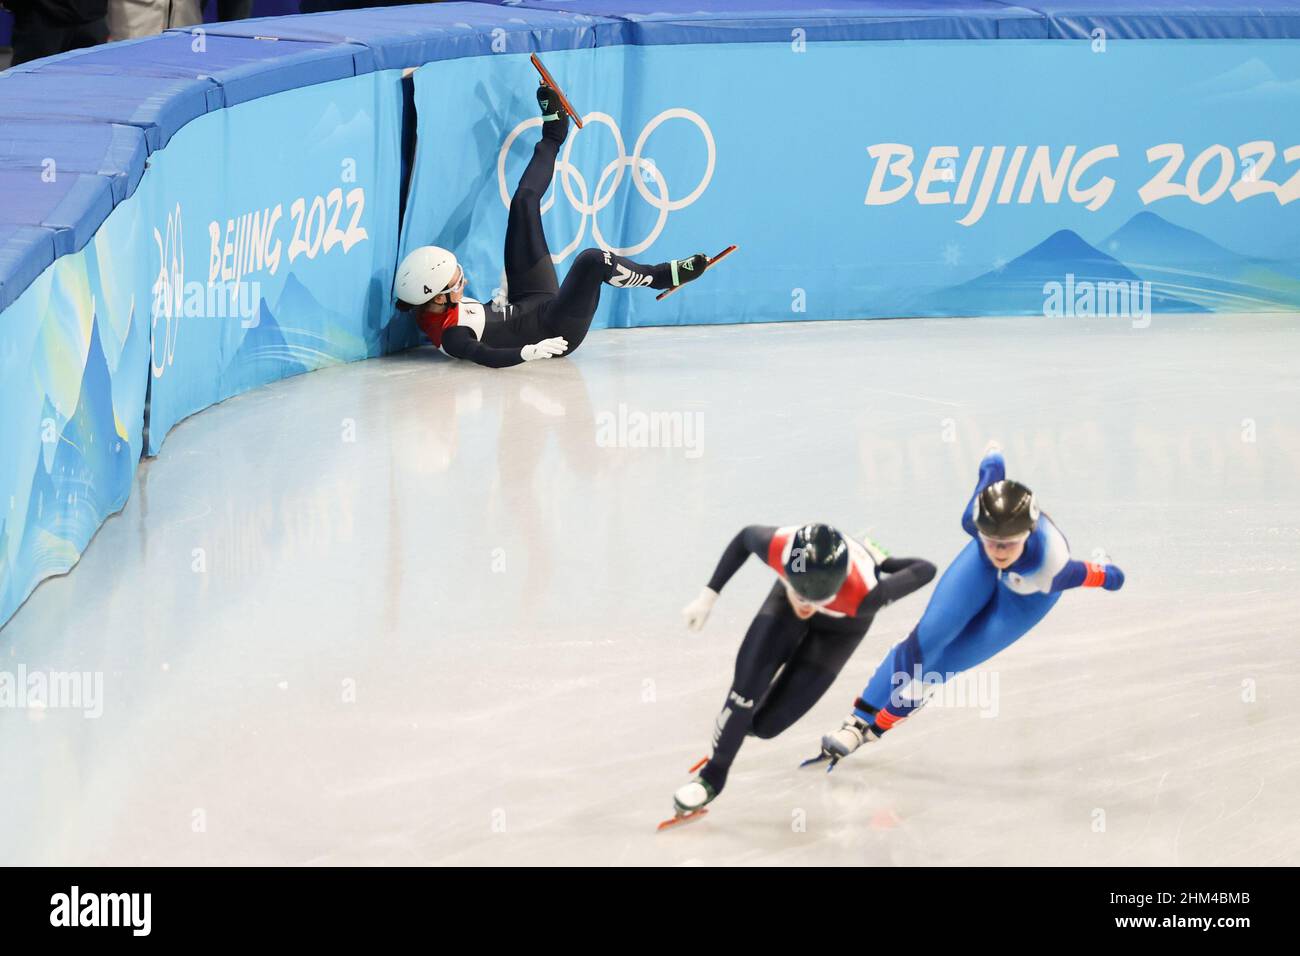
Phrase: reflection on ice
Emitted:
{"points": [[412, 612]]}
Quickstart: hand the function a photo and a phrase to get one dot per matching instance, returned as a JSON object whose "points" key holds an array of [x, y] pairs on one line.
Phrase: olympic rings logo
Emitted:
{"points": [[168, 293], [589, 205]]}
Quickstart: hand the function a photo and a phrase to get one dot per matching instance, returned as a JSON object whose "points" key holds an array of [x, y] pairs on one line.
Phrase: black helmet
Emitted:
{"points": [[1005, 509], [818, 562]]}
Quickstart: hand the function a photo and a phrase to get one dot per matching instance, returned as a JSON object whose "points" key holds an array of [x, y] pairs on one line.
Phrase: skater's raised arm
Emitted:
{"points": [[755, 539], [1088, 574], [992, 469], [902, 577]]}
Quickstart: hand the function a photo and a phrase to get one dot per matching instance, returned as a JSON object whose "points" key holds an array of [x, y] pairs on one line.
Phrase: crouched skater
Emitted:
{"points": [[995, 591], [828, 589]]}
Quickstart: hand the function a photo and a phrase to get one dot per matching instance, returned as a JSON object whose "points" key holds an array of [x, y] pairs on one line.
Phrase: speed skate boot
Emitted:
{"points": [[681, 271], [555, 121], [853, 733], [690, 799], [693, 796]]}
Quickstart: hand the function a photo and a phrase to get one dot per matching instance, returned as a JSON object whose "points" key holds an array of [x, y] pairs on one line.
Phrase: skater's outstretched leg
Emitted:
{"points": [[806, 677], [1000, 623], [1004, 619], [529, 269], [962, 600], [1010, 618], [569, 314], [964, 592], [769, 643]]}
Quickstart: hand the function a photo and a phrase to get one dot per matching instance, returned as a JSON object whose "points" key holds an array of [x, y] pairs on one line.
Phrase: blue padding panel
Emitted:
{"points": [[110, 149], [399, 37], [25, 252], [698, 21], [98, 112], [243, 67], [751, 21], [74, 205], [1172, 19], [158, 105]]}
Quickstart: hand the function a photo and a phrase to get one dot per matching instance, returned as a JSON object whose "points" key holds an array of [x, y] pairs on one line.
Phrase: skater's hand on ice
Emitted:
{"points": [[697, 612], [544, 349], [1114, 578]]}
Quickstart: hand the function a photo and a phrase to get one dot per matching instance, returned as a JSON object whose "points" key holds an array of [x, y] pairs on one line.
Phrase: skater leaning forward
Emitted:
{"points": [[542, 318], [995, 591], [829, 589]]}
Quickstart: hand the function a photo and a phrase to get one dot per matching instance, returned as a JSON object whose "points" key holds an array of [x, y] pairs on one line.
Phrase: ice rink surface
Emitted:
{"points": [[413, 611]]}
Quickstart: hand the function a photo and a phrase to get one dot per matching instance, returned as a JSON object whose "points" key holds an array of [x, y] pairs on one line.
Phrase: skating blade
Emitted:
{"points": [[694, 815]]}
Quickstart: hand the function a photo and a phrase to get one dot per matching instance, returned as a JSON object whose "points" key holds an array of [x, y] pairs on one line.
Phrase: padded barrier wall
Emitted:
{"points": [[188, 216]]}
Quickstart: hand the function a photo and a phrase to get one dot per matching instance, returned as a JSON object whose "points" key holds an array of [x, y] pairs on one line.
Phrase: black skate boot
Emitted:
{"points": [[555, 121], [675, 272]]}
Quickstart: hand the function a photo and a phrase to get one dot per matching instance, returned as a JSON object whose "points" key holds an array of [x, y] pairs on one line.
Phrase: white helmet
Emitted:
{"points": [[423, 274]]}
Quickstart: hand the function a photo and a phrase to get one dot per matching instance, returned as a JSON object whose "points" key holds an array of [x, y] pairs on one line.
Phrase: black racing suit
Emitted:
{"points": [[540, 307], [808, 653]]}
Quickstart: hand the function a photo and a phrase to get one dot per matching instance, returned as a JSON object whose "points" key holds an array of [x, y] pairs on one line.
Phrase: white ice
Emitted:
{"points": [[413, 611]]}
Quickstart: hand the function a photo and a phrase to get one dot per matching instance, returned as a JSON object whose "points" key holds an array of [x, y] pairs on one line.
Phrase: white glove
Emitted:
{"points": [[543, 349], [992, 448], [697, 612]]}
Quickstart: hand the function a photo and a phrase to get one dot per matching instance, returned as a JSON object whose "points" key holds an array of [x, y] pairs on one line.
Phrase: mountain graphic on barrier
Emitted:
{"points": [[265, 352], [87, 477], [1187, 271], [272, 350], [1179, 262], [1017, 288]]}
